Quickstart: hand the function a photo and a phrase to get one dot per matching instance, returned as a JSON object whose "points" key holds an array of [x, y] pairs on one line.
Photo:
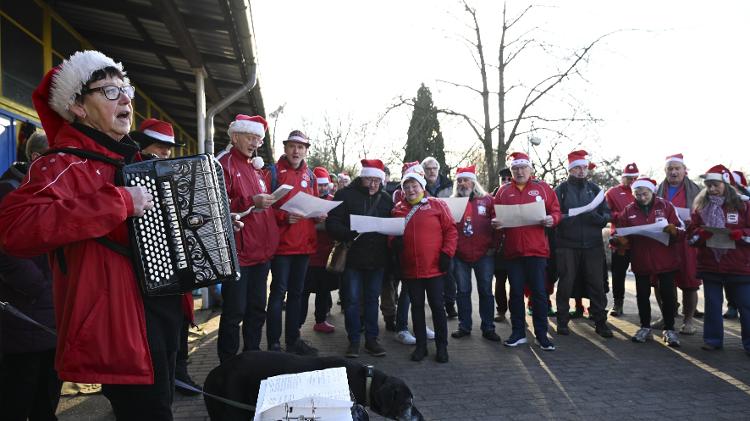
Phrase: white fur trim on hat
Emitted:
{"points": [[520, 162], [160, 136], [466, 175], [247, 126], [643, 183], [415, 176], [322, 180], [578, 163], [73, 73], [372, 172], [714, 176]]}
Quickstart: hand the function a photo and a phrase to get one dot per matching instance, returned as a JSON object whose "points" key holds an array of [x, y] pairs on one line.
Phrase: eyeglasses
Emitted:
{"points": [[112, 92]]}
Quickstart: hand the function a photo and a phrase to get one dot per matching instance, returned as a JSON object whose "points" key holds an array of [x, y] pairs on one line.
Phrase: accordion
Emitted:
{"points": [[186, 240]]}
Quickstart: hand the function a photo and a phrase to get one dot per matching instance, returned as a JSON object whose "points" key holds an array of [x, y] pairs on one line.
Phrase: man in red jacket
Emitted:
{"points": [[297, 241], [617, 198], [245, 301], [526, 249]]}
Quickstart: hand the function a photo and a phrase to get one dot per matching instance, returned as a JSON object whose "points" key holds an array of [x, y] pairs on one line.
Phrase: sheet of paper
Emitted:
{"points": [[301, 392], [654, 231], [281, 191], [720, 239], [308, 206], [588, 208], [457, 205], [683, 213], [387, 226], [511, 216]]}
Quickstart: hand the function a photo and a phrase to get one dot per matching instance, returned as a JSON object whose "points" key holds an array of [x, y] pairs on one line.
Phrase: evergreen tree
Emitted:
{"points": [[424, 137]]}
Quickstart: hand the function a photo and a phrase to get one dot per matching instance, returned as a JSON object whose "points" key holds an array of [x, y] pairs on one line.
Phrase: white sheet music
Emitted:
{"points": [[387, 226], [511, 216], [457, 205], [654, 231], [588, 208], [720, 239], [683, 213], [309, 206]]}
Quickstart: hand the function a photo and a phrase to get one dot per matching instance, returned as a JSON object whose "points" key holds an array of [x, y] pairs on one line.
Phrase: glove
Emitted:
{"points": [[671, 230], [703, 234], [736, 235], [621, 244], [445, 262]]}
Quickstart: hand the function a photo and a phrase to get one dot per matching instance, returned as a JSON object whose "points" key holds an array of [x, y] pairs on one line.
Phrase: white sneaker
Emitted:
{"points": [[406, 338], [430, 333]]}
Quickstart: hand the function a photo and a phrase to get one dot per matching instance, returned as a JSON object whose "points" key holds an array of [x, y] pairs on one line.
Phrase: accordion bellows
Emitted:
{"points": [[186, 241]]}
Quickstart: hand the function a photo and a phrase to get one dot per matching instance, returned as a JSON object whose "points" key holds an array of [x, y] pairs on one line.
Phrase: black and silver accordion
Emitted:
{"points": [[186, 240]]}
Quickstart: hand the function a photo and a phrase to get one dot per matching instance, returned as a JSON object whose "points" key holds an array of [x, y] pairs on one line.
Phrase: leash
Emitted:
{"points": [[229, 402], [5, 306]]}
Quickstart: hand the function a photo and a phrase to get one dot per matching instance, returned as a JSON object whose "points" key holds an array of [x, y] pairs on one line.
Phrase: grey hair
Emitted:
{"points": [[38, 143], [478, 190], [430, 159]]}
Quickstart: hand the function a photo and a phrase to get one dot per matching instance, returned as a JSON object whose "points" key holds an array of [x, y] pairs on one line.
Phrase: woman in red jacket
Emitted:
{"points": [[719, 206], [425, 251], [650, 257]]}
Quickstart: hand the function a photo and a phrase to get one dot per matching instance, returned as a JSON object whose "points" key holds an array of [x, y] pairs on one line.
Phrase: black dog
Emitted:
{"points": [[239, 379]]}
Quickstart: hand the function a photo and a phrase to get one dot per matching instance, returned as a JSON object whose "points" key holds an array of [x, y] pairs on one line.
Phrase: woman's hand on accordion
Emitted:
{"points": [[142, 199], [263, 201]]}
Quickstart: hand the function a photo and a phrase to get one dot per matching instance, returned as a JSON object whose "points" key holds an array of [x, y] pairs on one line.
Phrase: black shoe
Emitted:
{"points": [[450, 311], [731, 313], [374, 348], [698, 314], [707, 347], [490, 335], [187, 392], [562, 329], [419, 353], [353, 350], [390, 323], [460, 333], [301, 347], [442, 355], [603, 330], [500, 318], [276, 347]]}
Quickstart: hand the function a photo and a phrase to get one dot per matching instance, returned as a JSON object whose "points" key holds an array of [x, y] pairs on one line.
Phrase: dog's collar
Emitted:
{"points": [[369, 373]]}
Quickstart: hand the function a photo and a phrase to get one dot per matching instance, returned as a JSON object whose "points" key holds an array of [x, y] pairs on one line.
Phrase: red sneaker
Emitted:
{"points": [[324, 327]]}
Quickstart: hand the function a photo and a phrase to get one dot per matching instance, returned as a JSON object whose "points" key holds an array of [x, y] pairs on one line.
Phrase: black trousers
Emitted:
{"points": [[668, 297], [620, 263], [29, 387], [433, 288], [588, 264], [501, 297]]}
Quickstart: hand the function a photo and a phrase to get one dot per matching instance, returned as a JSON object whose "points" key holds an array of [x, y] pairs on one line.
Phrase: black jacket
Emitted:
{"points": [[369, 251], [585, 230]]}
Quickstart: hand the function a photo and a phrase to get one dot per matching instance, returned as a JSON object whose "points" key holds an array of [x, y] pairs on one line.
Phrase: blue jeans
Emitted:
{"points": [[359, 284], [288, 278], [243, 301], [529, 271], [713, 322], [484, 269], [402, 309]]}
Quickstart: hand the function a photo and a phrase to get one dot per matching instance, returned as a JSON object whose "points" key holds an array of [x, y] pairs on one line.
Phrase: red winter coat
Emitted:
{"points": [[687, 275], [736, 261], [298, 238], [480, 212], [258, 239], [529, 240], [648, 256], [430, 231], [324, 244], [618, 198]]}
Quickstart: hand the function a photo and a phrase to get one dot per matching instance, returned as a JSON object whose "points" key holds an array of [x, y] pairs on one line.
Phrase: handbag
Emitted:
{"points": [[337, 259]]}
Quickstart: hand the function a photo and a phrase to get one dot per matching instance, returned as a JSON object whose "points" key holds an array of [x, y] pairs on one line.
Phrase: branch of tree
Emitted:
{"points": [[461, 85]]}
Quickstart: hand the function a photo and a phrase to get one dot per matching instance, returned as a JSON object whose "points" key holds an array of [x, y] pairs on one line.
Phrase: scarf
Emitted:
{"points": [[713, 216], [416, 200]]}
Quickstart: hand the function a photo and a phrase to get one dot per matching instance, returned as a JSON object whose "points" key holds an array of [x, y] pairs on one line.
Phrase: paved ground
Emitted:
{"points": [[587, 377]]}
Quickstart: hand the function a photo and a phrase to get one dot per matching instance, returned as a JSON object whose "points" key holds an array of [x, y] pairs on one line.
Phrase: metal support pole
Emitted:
{"points": [[200, 106]]}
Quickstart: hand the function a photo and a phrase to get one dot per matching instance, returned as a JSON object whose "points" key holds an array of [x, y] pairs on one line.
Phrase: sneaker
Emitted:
{"points": [[658, 325], [491, 335], [500, 318], [515, 340], [301, 347], [731, 313], [551, 312], [442, 355], [603, 330], [576, 314], [563, 329], [419, 353], [324, 327], [460, 333], [688, 329], [275, 347], [671, 338], [642, 335], [430, 333], [545, 344], [707, 347], [373, 347], [450, 311], [406, 338], [89, 388], [616, 310], [352, 351]]}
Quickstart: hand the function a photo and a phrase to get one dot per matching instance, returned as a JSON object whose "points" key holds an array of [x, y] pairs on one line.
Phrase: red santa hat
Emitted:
{"points": [[577, 158], [373, 168], [152, 130], [519, 159], [644, 182], [467, 172], [408, 165], [415, 172], [675, 158], [298, 137], [719, 173], [739, 178], [256, 125], [321, 175], [631, 170]]}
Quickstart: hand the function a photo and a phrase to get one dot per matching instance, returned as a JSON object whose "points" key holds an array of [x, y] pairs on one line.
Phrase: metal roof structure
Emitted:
{"points": [[162, 43]]}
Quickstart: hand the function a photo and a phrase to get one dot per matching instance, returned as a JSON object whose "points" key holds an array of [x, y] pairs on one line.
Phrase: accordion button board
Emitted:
{"points": [[186, 240]]}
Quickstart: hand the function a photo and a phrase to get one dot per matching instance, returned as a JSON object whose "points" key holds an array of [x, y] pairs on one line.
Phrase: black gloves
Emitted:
{"points": [[445, 262]]}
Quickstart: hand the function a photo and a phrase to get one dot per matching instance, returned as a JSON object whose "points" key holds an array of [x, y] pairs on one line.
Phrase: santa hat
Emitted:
{"points": [[675, 158], [72, 75], [518, 159], [644, 182], [739, 178], [631, 170], [415, 172], [298, 137], [577, 158], [256, 125], [719, 173], [373, 168], [151, 131], [321, 175], [408, 165], [467, 172]]}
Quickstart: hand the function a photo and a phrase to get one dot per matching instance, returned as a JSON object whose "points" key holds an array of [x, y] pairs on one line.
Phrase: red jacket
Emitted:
{"points": [[298, 238], [258, 239], [529, 240], [480, 212], [618, 198], [687, 275], [648, 256], [324, 244], [736, 261], [430, 231], [67, 201]]}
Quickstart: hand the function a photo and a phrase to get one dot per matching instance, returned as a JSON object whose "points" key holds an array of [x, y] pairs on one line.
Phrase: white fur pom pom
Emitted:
{"points": [[257, 162]]}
